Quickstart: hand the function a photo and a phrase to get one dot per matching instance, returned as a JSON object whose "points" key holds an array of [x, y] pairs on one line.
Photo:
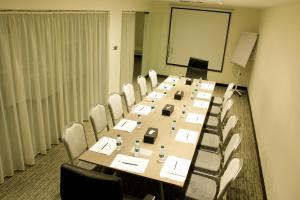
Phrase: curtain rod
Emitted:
{"points": [[54, 11]]}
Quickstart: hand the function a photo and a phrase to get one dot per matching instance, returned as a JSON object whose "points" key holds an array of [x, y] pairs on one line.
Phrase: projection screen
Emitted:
{"points": [[198, 33]]}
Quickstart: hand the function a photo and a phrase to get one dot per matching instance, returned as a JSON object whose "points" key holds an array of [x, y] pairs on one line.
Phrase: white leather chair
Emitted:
{"points": [[128, 91], [153, 78], [212, 163], [115, 107], [216, 110], [142, 86], [75, 142], [217, 122], [218, 100], [98, 119], [213, 142], [203, 187]]}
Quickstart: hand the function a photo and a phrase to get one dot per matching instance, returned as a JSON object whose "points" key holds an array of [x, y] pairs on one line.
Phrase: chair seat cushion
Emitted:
{"points": [[201, 188], [210, 140], [208, 161], [215, 110], [212, 122], [86, 165], [217, 101]]}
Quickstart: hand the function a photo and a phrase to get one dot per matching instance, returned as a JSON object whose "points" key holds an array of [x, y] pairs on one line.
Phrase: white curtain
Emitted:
{"points": [[52, 70], [127, 47]]}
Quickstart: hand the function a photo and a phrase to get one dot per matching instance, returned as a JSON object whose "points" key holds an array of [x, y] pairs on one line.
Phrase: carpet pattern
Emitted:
{"points": [[41, 181]]}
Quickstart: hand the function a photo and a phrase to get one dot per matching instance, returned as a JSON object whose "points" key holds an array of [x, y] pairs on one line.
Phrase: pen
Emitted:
{"points": [[104, 146], [127, 163], [175, 165], [123, 123], [141, 108], [187, 136]]}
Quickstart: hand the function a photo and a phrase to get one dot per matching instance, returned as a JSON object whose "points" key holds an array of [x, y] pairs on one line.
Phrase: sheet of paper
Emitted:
{"points": [[143, 152], [203, 95], [155, 95], [171, 79], [105, 145], [126, 125], [186, 136], [175, 168], [195, 118], [165, 86], [201, 104], [130, 163], [142, 109], [207, 86]]}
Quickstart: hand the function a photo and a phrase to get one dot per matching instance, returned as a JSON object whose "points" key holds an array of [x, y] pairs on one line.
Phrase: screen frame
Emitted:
{"points": [[205, 10]]}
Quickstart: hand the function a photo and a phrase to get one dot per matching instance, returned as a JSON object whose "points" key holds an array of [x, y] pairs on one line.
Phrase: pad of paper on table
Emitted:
{"points": [[130, 163], [142, 109], [195, 118], [175, 168], [165, 86], [171, 80], [201, 104], [105, 145], [203, 95], [207, 86], [186, 136], [126, 125], [155, 95]]}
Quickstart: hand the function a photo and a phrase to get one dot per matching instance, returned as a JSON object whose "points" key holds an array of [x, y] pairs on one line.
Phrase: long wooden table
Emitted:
{"points": [[163, 123]]}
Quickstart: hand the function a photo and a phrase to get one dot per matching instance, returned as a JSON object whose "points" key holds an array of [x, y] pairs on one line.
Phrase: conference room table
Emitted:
{"points": [[155, 119]]}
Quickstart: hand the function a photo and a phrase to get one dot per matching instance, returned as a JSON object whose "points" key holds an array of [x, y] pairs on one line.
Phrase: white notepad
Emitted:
{"points": [[171, 80], [195, 118], [207, 86], [155, 95], [105, 145], [175, 168], [130, 163], [126, 125], [203, 95], [186, 136], [165, 86], [201, 104], [142, 109]]}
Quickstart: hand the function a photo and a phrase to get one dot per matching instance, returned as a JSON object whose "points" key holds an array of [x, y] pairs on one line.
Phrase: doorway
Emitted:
{"points": [[139, 39]]}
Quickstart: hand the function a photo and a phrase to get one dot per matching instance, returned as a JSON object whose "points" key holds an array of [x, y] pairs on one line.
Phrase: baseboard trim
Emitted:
{"points": [[257, 152]]}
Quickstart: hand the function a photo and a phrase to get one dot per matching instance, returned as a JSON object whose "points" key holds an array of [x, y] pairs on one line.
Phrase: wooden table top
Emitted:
{"points": [[156, 120]]}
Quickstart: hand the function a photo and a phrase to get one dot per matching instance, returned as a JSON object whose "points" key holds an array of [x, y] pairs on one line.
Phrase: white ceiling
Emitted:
{"points": [[239, 3]]}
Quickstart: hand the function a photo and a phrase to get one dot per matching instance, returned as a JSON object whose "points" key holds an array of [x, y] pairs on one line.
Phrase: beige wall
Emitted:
{"points": [[115, 7], [242, 19], [274, 96]]}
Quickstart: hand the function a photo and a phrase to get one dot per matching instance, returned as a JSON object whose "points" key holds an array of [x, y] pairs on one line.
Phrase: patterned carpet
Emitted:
{"points": [[41, 181]]}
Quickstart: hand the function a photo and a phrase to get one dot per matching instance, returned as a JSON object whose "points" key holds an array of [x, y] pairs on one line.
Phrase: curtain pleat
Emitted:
{"points": [[53, 69], [127, 47]]}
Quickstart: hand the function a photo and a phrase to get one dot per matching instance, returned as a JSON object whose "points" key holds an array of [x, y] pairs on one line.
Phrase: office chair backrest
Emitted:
{"points": [[115, 107], [228, 94], [98, 119], [79, 183], [142, 86], [197, 68], [74, 139], [153, 78], [232, 121], [233, 144], [230, 174], [128, 91], [230, 86], [226, 109]]}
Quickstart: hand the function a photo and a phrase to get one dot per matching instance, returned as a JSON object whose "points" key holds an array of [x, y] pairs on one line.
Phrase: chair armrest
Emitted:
{"points": [[149, 197]]}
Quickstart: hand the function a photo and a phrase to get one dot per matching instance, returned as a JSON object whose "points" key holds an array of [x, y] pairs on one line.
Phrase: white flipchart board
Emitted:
{"points": [[244, 48]]}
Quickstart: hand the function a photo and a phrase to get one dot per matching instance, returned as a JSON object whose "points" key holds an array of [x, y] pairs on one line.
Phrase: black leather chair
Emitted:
{"points": [[197, 68], [80, 183]]}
